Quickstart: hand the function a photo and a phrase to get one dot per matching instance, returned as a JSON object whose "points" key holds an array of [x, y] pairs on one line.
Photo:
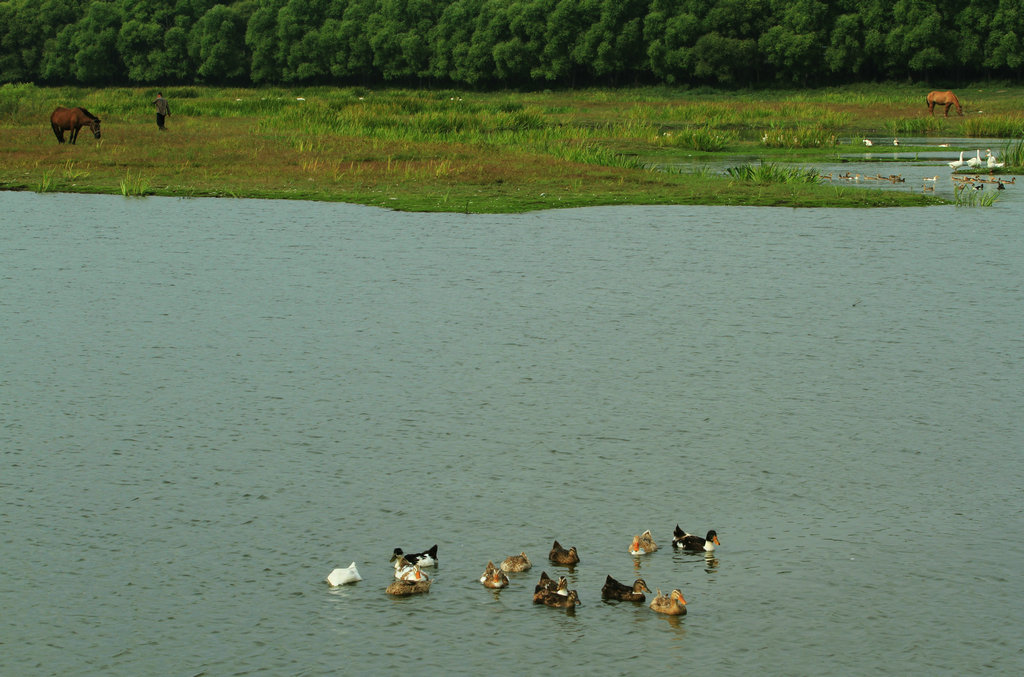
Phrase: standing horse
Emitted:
{"points": [[944, 98], [73, 119]]}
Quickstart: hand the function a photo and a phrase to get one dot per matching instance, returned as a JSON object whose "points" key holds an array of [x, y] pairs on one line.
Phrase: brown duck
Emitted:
{"points": [[560, 555], [403, 588], [672, 604], [553, 599], [516, 563], [627, 593]]}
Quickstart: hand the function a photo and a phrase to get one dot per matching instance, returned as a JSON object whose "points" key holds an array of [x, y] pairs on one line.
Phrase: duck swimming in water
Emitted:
{"points": [[687, 541], [494, 577], [403, 588], [516, 563], [627, 593], [548, 598], [672, 604], [408, 572], [427, 558], [643, 544], [560, 555], [561, 586], [344, 576]]}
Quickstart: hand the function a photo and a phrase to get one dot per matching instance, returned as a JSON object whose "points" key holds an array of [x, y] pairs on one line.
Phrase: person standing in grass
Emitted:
{"points": [[162, 111]]}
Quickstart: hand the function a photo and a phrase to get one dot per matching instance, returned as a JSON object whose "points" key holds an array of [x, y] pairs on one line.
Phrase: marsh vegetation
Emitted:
{"points": [[454, 150]]}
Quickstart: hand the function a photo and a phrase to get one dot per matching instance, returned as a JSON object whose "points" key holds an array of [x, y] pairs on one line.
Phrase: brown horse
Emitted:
{"points": [[944, 98], [73, 119]]}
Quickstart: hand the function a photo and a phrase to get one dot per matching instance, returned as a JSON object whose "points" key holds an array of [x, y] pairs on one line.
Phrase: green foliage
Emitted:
{"points": [[508, 43]]}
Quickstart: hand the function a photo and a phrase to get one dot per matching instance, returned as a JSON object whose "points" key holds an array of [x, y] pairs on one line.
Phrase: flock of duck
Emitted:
{"points": [[976, 182], [410, 579]]}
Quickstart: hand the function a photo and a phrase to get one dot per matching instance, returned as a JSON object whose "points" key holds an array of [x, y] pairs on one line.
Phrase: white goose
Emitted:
{"points": [[992, 164], [957, 164], [976, 161]]}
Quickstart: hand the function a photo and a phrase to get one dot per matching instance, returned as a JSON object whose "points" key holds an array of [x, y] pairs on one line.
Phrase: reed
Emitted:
{"points": [[45, 184], [769, 173], [1003, 126], [704, 139], [803, 137], [134, 186], [965, 196], [1013, 154]]}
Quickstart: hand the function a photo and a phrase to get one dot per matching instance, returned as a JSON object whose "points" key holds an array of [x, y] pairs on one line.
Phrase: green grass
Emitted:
{"points": [[455, 150]]}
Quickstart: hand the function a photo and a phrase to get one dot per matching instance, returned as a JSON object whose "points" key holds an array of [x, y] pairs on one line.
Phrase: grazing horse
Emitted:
{"points": [[73, 119], [944, 98]]}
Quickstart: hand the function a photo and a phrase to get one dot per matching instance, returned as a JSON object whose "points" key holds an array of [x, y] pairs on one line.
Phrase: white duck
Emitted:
{"points": [[867, 142], [344, 576], [975, 161], [992, 164], [957, 164]]}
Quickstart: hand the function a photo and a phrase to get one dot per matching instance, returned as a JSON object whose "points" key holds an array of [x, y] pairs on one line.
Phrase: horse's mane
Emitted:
{"points": [[89, 114]]}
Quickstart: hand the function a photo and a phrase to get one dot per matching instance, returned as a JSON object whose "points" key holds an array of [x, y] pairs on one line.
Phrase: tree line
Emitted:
{"points": [[509, 43]]}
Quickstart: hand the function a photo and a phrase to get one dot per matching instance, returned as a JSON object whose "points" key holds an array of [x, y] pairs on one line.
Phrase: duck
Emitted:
{"points": [[867, 142], [404, 571], [344, 576], [561, 586], [427, 558], [560, 555], [494, 577], [957, 164], [672, 604], [403, 588], [895, 142], [516, 563], [627, 593], [687, 541], [991, 162], [553, 599], [933, 179], [1000, 186], [975, 161], [643, 544]]}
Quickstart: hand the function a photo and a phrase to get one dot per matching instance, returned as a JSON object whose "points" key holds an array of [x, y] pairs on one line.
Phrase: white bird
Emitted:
{"points": [[933, 179], [342, 576], [957, 164], [867, 142], [992, 164], [895, 142], [976, 160]]}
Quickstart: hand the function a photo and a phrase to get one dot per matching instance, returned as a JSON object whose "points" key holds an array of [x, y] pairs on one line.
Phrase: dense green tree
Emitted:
{"points": [[671, 31], [509, 42], [299, 40], [794, 47], [1004, 45], [217, 44], [566, 22], [451, 36], [917, 38]]}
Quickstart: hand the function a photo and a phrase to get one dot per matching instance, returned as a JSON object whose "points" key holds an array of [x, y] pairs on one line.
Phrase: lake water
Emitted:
{"points": [[206, 405]]}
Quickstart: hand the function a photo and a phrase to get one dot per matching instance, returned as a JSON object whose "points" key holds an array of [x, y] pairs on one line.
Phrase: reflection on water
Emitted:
{"points": [[210, 404]]}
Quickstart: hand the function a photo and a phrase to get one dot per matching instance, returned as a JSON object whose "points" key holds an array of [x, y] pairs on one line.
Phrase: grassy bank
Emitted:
{"points": [[475, 152]]}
